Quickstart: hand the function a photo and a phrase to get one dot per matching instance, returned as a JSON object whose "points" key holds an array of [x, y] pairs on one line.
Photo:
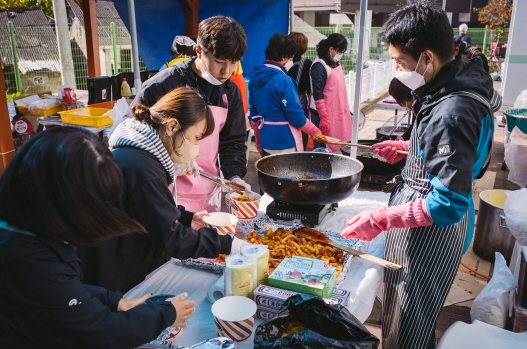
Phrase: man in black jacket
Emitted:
{"points": [[221, 45]]}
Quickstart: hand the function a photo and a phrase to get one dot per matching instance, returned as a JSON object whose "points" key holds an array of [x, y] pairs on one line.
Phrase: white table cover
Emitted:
{"points": [[363, 279]]}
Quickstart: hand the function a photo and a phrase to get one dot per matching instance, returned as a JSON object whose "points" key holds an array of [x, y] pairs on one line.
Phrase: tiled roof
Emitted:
{"points": [[35, 38]]}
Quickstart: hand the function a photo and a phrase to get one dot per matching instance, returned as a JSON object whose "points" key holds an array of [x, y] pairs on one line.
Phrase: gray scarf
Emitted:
{"points": [[133, 133]]}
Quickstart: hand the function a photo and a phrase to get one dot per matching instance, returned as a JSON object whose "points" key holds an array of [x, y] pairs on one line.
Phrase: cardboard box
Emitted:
{"points": [[305, 275], [273, 298], [265, 314]]}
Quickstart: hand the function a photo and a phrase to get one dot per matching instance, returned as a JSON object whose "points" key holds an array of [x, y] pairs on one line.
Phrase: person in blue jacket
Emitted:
{"points": [[430, 218], [276, 114], [62, 190]]}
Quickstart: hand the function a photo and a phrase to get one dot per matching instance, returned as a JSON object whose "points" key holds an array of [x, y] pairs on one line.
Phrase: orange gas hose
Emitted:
{"points": [[475, 272]]}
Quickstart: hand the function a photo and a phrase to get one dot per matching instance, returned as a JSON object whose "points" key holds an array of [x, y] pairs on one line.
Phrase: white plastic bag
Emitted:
{"points": [[120, 110], [521, 100], [492, 304], [516, 157], [515, 214]]}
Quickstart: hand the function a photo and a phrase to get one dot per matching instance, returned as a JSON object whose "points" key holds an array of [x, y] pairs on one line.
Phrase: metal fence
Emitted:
{"points": [[31, 61]]}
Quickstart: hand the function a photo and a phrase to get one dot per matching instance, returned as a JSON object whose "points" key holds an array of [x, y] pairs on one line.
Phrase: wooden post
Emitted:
{"points": [[92, 37], [191, 18], [7, 146]]}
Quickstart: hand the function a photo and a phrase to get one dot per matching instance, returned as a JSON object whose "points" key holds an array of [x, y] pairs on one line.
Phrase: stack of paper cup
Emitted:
{"points": [[260, 255], [239, 276]]}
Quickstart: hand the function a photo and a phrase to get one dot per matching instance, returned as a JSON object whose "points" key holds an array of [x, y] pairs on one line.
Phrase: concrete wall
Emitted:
{"points": [[515, 79]]}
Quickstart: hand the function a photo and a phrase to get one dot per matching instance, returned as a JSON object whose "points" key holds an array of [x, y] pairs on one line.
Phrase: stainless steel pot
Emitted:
{"points": [[492, 234]]}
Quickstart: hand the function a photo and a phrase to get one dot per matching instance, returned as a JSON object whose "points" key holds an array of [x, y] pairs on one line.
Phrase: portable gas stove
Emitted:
{"points": [[311, 215]]}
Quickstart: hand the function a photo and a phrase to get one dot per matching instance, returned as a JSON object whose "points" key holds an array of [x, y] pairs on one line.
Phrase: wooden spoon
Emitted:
{"points": [[317, 236]]}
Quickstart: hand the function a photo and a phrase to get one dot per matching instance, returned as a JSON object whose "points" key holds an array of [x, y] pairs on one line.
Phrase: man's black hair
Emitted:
{"points": [[418, 26]]}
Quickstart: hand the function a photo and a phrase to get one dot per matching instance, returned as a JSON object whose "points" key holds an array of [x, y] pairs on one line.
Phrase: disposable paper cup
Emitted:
{"points": [[223, 222], [234, 317], [243, 209]]}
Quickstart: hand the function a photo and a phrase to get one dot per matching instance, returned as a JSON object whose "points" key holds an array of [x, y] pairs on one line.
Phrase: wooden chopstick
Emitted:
{"points": [[330, 140]]}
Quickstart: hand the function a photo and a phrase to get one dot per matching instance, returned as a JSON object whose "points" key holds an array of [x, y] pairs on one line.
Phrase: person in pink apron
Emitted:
{"points": [[328, 103], [209, 74], [276, 115], [145, 148]]}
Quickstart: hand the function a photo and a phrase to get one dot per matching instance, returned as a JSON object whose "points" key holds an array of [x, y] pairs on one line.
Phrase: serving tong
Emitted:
{"points": [[229, 185], [331, 140]]}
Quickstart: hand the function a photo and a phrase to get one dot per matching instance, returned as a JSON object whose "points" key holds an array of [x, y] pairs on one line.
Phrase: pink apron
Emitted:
{"points": [[336, 98], [198, 194], [260, 121]]}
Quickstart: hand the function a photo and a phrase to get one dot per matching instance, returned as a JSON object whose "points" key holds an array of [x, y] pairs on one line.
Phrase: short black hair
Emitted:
{"points": [[223, 37], [335, 40], [418, 26], [280, 46], [64, 185]]}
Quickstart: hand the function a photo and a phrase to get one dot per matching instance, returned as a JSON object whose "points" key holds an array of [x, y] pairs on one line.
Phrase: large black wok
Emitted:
{"points": [[308, 178]]}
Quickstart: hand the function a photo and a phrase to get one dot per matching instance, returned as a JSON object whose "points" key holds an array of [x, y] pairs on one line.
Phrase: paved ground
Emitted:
{"points": [[466, 285]]}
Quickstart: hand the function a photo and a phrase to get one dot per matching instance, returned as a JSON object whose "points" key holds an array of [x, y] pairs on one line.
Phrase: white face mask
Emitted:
{"points": [[337, 57], [208, 76], [187, 151], [412, 79], [288, 65]]}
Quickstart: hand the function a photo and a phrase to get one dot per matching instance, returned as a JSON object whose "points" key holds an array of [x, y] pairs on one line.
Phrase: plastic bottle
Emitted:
{"points": [[125, 89]]}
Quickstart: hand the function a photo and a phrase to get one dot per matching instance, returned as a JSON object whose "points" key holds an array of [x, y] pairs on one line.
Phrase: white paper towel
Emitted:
{"points": [[217, 290]]}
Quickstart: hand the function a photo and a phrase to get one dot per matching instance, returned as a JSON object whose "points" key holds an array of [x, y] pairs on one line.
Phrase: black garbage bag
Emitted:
{"points": [[328, 326]]}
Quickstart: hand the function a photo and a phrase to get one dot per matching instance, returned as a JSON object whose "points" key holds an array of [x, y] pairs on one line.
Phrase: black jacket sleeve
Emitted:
{"points": [[154, 208], [108, 298], [64, 313], [232, 148], [319, 76]]}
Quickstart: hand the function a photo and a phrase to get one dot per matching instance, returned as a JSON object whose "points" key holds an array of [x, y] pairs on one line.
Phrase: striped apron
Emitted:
{"points": [[430, 256]]}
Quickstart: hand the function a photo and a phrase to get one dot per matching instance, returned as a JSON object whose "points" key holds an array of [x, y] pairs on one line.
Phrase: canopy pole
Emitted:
{"points": [[358, 78], [291, 16], [135, 51], [63, 39]]}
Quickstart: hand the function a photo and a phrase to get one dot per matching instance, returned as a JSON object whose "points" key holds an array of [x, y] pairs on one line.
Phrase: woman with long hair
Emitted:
{"points": [[145, 148], [60, 191], [328, 103]]}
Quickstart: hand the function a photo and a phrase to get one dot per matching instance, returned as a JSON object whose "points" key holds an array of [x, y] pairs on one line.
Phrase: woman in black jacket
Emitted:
{"points": [[300, 73], [145, 148], [61, 190]]}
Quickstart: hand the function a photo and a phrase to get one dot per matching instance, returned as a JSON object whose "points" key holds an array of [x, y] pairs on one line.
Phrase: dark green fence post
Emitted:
{"points": [[14, 52], [114, 49]]}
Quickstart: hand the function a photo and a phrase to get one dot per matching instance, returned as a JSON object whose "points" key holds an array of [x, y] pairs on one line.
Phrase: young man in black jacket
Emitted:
{"points": [[430, 218], [221, 45]]}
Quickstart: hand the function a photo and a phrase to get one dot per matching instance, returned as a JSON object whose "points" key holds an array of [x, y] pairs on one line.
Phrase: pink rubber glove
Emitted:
{"points": [[310, 128], [367, 225], [388, 150], [324, 117]]}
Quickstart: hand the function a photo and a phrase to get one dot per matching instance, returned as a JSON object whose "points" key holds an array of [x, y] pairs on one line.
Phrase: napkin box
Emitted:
{"points": [[306, 275]]}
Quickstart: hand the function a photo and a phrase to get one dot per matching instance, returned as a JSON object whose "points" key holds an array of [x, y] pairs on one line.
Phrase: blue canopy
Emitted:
{"points": [[159, 21]]}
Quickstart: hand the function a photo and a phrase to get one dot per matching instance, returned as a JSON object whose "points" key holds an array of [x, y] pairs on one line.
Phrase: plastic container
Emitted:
{"points": [[92, 117], [47, 112], [516, 117]]}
